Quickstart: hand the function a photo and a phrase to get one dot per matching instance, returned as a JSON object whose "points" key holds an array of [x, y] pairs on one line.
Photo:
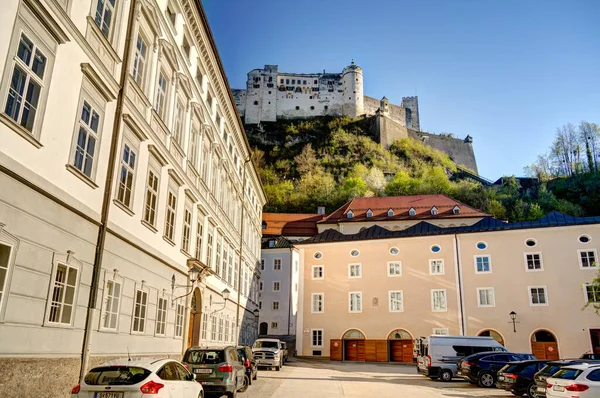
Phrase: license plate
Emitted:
{"points": [[541, 389], [500, 377], [558, 388], [208, 383], [108, 395], [203, 371]]}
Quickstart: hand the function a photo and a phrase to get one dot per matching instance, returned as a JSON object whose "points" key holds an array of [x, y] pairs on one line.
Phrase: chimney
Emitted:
{"points": [[321, 210]]}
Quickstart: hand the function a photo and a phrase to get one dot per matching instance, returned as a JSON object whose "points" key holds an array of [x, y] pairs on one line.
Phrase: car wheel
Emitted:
{"points": [[486, 380], [445, 375], [433, 377], [278, 368], [246, 384], [255, 375], [232, 394], [531, 390]]}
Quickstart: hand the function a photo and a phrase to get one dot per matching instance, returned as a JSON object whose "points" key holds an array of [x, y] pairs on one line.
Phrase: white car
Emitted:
{"points": [[574, 381], [125, 378]]}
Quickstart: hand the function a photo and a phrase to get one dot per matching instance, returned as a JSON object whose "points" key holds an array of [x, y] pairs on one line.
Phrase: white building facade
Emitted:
{"points": [[122, 166]]}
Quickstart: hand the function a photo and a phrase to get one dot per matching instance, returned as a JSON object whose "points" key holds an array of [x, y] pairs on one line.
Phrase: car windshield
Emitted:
{"points": [[567, 374], [265, 344], [115, 375], [549, 370], [511, 369], [204, 357]]}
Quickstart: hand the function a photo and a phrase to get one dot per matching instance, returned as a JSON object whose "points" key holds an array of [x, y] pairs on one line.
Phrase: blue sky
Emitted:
{"points": [[506, 72]]}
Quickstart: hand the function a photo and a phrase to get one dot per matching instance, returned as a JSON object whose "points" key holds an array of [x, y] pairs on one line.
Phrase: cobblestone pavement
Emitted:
{"points": [[314, 379]]}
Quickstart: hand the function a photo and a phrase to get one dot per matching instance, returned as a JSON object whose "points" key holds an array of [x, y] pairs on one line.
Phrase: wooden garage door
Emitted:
{"points": [[376, 351], [545, 350], [382, 351], [351, 350], [335, 350], [401, 350]]}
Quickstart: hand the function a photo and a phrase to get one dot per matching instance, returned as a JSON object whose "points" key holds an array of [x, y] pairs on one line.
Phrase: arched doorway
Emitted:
{"points": [[492, 333], [264, 329], [400, 344], [354, 345], [544, 345], [195, 319]]}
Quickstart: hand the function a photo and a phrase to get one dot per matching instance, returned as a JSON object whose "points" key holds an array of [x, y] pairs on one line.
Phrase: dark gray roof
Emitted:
{"points": [[280, 243], [487, 224]]}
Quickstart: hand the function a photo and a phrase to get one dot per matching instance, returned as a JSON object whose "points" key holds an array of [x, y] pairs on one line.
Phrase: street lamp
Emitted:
{"points": [[513, 317], [225, 294], [193, 274]]}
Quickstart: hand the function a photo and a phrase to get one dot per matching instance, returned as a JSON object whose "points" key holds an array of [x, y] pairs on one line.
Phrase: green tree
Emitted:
{"points": [[402, 184], [306, 160], [534, 212], [354, 187]]}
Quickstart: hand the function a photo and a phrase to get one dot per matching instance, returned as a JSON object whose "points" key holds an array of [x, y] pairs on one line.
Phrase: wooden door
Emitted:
{"points": [[351, 349], [360, 345], [401, 350], [371, 350], [542, 350], [190, 340], [382, 351], [335, 350]]}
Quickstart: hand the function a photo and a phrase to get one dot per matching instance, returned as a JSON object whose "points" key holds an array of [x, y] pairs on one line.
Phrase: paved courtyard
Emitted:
{"points": [[312, 379]]}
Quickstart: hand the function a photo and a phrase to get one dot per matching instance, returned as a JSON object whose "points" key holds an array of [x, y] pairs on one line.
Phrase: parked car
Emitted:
{"points": [[481, 368], [268, 353], [437, 356], [582, 381], [548, 370], [217, 369], [517, 377], [125, 378], [247, 358], [590, 356], [284, 351]]}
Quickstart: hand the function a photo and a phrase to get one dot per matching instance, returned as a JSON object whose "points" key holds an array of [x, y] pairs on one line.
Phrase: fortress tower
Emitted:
{"points": [[353, 101]]}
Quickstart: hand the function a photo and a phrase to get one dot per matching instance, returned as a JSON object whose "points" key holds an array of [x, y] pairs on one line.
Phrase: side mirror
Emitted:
{"points": [[192, 377]]}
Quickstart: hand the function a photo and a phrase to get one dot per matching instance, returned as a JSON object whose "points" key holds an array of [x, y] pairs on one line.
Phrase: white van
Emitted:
{"points": [[437, 356]]}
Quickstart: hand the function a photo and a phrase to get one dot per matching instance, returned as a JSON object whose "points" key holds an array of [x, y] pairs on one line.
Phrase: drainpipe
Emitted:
{"points": [[239, 273], [290, 301], [461, 308], [110, 172]]}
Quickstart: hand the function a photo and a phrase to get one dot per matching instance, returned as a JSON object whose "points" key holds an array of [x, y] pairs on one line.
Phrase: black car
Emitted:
{"points": [[551, 368], [517, 377], [481, 368], [247, 357]]}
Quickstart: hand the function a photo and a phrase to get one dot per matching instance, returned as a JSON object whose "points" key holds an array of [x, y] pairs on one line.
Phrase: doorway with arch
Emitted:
{"points": [[195, 324], [401, 347], [544, 345], [492, 333]]}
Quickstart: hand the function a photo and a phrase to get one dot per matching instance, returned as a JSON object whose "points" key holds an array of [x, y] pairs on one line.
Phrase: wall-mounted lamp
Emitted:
{"points": [[193, 274], [225, 294], [513, 317]]}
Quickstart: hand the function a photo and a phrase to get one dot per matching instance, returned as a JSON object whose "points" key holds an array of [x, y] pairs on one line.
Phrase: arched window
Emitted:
{"points": [[492, 333], [353, 334], [399, 334], [255, 102]]}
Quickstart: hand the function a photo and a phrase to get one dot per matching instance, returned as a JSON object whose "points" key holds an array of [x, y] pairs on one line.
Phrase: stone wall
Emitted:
{"points": [[459, 150]]}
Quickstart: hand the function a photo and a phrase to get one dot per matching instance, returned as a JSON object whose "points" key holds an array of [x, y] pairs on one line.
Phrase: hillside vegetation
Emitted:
{"points": [[330, 160]]}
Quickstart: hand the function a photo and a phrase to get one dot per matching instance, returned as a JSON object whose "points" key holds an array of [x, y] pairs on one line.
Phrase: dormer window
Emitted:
{"points": [[434, 211], [350, 214], [264, 225], [390, 213], [456, 210], [271, 243], [369, 213], [412, 212]]}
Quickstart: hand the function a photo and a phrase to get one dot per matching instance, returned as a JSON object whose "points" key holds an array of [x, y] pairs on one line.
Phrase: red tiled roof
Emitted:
{"points": [[401, 206], [289, 224]]}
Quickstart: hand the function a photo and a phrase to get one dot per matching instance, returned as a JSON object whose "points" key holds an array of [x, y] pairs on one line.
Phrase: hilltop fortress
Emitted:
{"points": [[271, 95]]}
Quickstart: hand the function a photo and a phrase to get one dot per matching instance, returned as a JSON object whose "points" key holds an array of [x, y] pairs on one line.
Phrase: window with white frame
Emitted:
{"points": [[260, 286], [204, 325], [262, 264], [317, 303], [139, 60], [187, 230], [277, 264], [5, 252], [171, 212], [218, 257], [227, 329], [62, 301], [533, 261], [274, 325], [482, 264], [199, 234], [275, 306], [317, 338], [538, 295], [436, 267], [220, 329], [161, 95], [112, 298], [440, 331], [396, 301], [194, 147], [276, 286], [230, 273], [178, 122], [394, 268], [161, 316], [179, 320], [260, 305], [485, 297], [86, 143], [27, 82], [438, 300], [139, 314], [318, 272], [354, 271], [213, 328], [104, 17], [127, 175], [588, 259], [209, 246], [592, 294], [355, 302], [152, 185]]}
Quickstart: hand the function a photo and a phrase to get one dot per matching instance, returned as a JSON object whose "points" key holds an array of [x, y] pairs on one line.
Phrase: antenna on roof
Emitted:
{"points": [[128, 356]]}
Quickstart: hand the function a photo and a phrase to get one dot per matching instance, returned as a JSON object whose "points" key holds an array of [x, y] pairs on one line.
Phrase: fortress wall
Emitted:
{"points": [[239, 96], [370, 105], [458, 149]]}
